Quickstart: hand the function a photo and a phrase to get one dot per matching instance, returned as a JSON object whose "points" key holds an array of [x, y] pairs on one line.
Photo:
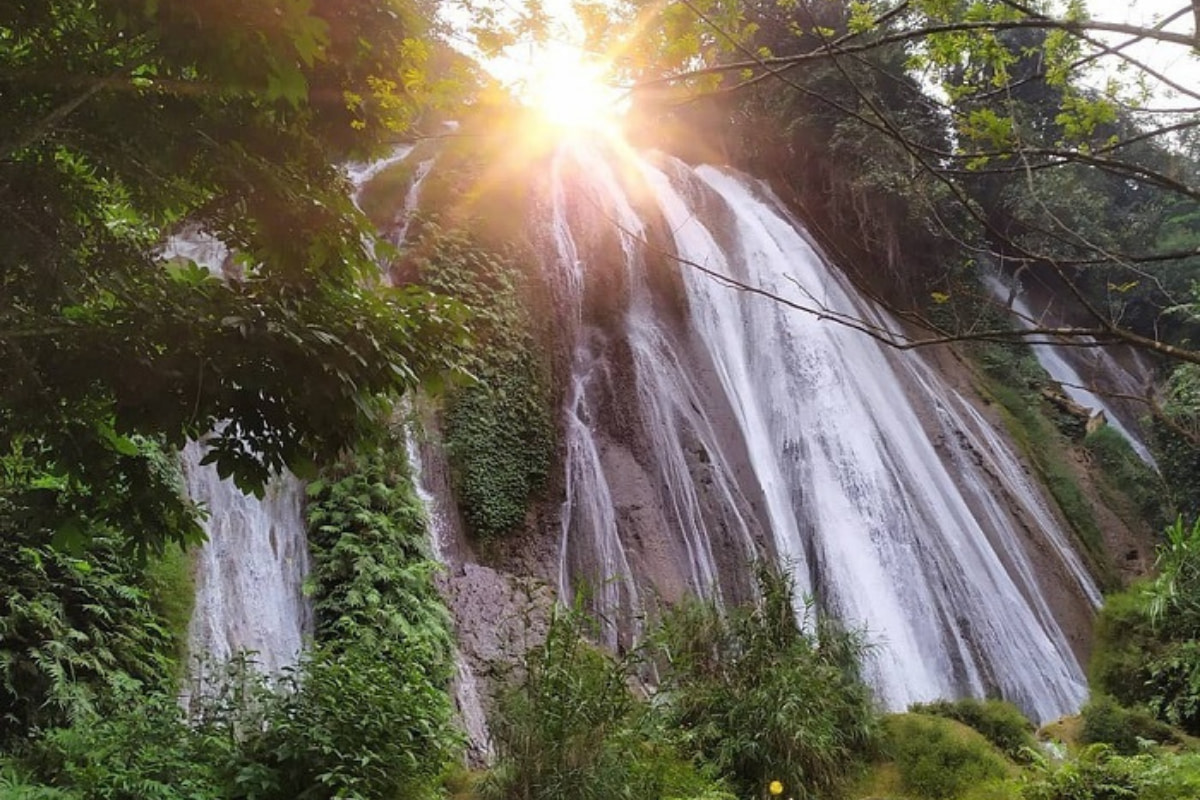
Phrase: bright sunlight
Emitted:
{"points": [[570, 92]]}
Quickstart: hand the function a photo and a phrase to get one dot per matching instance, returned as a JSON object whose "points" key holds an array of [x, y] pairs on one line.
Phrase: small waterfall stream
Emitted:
{"points": [[438, 510], [250, 573], [1061, 365], [874, 479]]}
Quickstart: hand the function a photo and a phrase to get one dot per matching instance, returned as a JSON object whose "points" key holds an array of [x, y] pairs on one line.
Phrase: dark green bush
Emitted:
{"points": [[358, 722], [936, 760], [1107, 722], [71, 627], [1001, 723], [762, 700], [142, 750], [1146, 653], [573, 729]]}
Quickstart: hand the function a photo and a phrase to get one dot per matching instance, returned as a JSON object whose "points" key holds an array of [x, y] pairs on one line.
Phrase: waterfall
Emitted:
{"points": [[467, 699], [249, 573], [669, 404], [874, 480], [1060, 364]]}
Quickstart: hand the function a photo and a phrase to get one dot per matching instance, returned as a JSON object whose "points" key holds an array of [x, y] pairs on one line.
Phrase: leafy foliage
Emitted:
{"points": [[1177, 438], [499, 431], [939, 760], [356, 722], [1098, 774], [572, 728], [1106, 722], [143, 749], [380, 623], [1147, 654], [372, 574], [762, 699], [1001, 723], [129, 119], [365, 715], [71, 629]]}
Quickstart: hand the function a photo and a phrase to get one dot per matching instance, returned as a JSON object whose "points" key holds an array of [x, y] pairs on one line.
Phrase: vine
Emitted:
{"points": [[499, 428]]}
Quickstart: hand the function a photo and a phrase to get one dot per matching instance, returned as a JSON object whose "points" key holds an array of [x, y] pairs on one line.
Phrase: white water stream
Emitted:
{"points": [[249, 574], [1061, 366], [888, 530]]}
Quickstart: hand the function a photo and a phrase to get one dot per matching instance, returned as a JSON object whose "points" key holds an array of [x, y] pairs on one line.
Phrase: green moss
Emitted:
{"points": [[1044, 447], [936, 759], [1013, 379], [171, 591], [499, 429], [1127, 485], [1001, 723]]}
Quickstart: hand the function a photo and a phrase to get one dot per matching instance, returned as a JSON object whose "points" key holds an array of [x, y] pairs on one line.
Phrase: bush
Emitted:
{"points": [[572, 729], [1001, 723], [70, 627], [143, 750], [372, 574], [1099, 774], [940, 759], [1147, 654], [761, 699], [357, 723], [1106, 722]]}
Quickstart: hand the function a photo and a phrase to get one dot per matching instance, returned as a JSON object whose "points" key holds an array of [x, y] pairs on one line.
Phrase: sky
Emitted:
{"points": [[1177, 62]]}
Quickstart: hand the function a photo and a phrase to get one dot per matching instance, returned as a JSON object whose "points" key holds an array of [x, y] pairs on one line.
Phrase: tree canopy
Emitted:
{"points": [[125, 120]]}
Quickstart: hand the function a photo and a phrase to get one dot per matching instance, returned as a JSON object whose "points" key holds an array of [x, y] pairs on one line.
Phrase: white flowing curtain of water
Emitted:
{"points": [[669, 405], [857, 498], [1061, 366], [467, 698], [250, 572]]}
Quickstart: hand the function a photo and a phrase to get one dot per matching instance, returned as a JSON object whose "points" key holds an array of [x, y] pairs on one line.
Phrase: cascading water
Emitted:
{"points": [[1061, 366], [888, 529], [668, 402], [250, 572], [467, 698]]}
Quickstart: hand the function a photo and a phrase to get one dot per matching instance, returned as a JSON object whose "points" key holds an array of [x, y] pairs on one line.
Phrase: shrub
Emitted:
{"points": [[372, 574], [573, 729], [70, 627], [358, 722], [1107, 722], [1147, 654], [940, 759], [762, 699], [1098, 774], [1001, 723], [142, 750]]}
